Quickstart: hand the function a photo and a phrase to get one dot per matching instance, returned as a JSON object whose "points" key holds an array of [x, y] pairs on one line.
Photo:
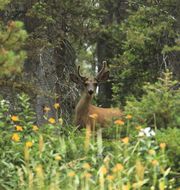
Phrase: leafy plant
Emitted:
{"points": [[158, 108], [55, 157], [171, 136]]}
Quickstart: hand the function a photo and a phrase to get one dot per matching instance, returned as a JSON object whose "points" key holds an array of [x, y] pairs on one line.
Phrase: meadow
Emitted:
{"points": [[126, 155]]}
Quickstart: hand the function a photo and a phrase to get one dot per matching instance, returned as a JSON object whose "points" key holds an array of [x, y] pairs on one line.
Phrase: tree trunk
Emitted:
{"points": [[47, 67], [116, 12]]}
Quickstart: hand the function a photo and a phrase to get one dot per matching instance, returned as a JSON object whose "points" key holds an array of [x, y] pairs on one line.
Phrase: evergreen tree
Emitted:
{"points": [[12, 38]]}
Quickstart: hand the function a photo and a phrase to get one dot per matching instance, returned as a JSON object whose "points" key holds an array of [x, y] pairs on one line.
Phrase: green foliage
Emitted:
{"points": [[3, 3], [40, 10], [55, 157], [12, 38], [60, 157], [171, 137], [12, 157], [63, 19], [159, 107], [149, 36]]}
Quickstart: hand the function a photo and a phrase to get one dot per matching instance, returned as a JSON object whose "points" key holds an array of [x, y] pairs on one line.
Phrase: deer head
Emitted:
{"points": [[90, 83]]}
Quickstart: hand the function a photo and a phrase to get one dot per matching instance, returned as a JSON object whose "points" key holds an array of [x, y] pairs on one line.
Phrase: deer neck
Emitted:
{"points": [[84, 103]]}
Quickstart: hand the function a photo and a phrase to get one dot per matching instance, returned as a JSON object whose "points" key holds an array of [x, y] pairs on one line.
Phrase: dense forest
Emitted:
{"points": [[123, 55]]}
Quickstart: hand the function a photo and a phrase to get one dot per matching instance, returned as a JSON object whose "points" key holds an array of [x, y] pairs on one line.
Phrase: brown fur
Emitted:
{"points": [[84, 108]]}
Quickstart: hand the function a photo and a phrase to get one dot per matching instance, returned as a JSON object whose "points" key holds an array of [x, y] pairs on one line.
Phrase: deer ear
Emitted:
{"points": [[103, 77], [74, 78]]}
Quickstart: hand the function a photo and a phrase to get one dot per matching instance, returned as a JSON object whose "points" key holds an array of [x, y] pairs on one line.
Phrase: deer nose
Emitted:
{"points": [[90, 91]]}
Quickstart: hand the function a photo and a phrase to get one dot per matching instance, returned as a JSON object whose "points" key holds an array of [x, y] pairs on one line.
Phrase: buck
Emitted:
{"points": [[84, 109]]}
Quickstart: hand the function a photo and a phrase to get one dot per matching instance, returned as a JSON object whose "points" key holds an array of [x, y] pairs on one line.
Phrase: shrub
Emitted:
{"points": [[171, 137], [159, 107]]}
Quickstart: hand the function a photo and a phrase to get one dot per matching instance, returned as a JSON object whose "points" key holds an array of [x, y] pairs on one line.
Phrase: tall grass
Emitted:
{"points": [[54, 157]]}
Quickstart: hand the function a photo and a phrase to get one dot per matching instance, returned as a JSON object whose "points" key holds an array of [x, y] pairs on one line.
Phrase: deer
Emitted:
{"points": [[84, 109]]}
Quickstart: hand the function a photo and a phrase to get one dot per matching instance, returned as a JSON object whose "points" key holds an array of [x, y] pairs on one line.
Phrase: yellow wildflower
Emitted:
{"points": [[39, 171], [56, 105], [140, 169], [86, 166], [71, 174], [103, 170], [26, 153], [52, 120], [155, 162], [87, 138], [162, 145], [46, 109], [110, 177], [138, 127], [58, 157], [35, 128], [29, 144], [15, 137], [125, 140], [106, 159], [128, 116], [41, 143], [126, 187], [93, 116], [118, 168], [162, 185], [19, 128], [138, 185], [119, 122], [87, 175], [60, 121], [152, 152], [14, 118]]}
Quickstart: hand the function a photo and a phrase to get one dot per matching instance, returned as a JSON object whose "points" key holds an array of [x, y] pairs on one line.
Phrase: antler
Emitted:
{"points": [[79, 74], [102, 71]]}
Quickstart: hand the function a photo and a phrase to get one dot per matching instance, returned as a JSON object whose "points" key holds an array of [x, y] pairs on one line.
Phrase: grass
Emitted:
{"points": [[54, 156]]}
